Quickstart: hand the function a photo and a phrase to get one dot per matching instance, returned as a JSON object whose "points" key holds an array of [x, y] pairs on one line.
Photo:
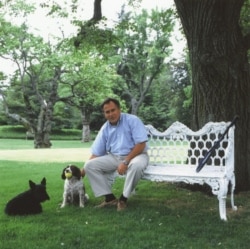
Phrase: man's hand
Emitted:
{"points": [[122, 169], [82, 173]]}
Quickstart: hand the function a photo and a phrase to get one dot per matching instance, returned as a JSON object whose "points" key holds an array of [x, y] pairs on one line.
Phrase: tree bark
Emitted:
{"points": [[220, 71], [42, 135], [85, 128]]}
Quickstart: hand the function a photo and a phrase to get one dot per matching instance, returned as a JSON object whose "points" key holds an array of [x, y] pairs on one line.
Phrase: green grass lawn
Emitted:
{"points": [[15, 144], [160, 215]]}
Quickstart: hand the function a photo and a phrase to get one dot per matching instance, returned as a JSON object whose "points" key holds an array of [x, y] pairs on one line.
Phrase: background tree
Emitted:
{"points": [[49, 73], [169, 99], [35, 80], [43, 79], [141, 44], [90, 81], [143, 47], [220, 70]]}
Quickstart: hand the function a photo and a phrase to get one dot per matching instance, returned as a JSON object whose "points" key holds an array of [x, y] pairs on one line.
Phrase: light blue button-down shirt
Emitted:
{"points": [[120, 139]]}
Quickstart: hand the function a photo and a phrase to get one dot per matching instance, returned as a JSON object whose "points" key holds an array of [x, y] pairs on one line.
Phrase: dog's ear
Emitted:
{"points": [[32, 184], [76, 171], [43, 182], [63, 174]]}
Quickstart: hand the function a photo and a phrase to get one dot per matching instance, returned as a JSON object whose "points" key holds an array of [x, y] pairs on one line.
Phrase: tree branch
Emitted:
{"points": [[15, 116], [97, 15], [85, 28]]}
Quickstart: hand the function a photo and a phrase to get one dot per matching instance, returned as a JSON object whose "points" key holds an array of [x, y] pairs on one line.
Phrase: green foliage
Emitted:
{"points": [[9, 131], [75, 81], [245, 22], [34, 83], [144, 43], [91, 78], [66, 116], [89, 82], [96, 36], [19, 132], [44, 78], [168, 100], [19, 8], [66, 134], [188, 93], [244, 17]]}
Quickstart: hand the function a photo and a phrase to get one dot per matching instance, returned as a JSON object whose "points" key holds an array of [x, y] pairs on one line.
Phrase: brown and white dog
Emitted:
{"points": [[74, 189]]}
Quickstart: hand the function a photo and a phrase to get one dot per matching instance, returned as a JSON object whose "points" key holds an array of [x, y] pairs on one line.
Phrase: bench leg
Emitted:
{"points": [[222, 195], [220, 188], [222, 208], [232, 193]]}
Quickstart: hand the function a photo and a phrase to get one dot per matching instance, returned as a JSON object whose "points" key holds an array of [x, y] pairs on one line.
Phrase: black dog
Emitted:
{"points": [[29, 201]]}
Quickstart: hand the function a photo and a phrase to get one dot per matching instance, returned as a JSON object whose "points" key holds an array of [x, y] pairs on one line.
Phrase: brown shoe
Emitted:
{"points": [[107, 204], [121, 205]]}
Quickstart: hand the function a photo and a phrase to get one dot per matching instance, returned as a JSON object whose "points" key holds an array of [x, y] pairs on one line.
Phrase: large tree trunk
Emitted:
{"points": [[85, 127], [220, 71], [42, 134]]}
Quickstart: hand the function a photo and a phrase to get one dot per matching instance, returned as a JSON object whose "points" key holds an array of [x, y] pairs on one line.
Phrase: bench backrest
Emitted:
{"points": [[180, 145]]}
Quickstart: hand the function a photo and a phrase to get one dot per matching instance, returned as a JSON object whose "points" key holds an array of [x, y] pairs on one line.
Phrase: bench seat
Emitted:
{"points": [[177, 173]]}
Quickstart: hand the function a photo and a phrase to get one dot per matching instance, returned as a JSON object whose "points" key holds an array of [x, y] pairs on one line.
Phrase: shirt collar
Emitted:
{"points": [[118, 122]]}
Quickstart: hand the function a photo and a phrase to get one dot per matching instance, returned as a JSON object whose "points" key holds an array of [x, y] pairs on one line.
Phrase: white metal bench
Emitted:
{"points": [[175, 154]]}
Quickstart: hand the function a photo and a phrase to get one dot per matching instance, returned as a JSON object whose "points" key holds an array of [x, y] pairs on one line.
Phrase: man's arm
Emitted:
{"points": [[138, 149]]}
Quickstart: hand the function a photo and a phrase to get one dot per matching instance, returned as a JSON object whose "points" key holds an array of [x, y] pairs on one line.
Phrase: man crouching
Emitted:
{"points": [[119, 146]]}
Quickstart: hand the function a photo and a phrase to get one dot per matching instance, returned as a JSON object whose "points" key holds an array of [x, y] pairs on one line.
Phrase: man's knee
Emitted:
{"points": [[139, 164], [136, 169], [88, 166]]}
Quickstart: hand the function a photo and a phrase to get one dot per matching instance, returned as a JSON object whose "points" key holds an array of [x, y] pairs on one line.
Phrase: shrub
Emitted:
{"points": [[19, 132]]}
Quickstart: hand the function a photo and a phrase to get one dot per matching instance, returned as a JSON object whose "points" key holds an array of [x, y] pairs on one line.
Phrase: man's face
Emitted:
{"points": [[111, 112]]}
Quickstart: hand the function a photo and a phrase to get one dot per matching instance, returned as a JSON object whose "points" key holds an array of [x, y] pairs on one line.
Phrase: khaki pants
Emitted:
{"points": [[101, 172]]}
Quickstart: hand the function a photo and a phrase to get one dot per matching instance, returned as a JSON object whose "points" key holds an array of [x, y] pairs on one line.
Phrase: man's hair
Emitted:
{"points": [[108, 100]]}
